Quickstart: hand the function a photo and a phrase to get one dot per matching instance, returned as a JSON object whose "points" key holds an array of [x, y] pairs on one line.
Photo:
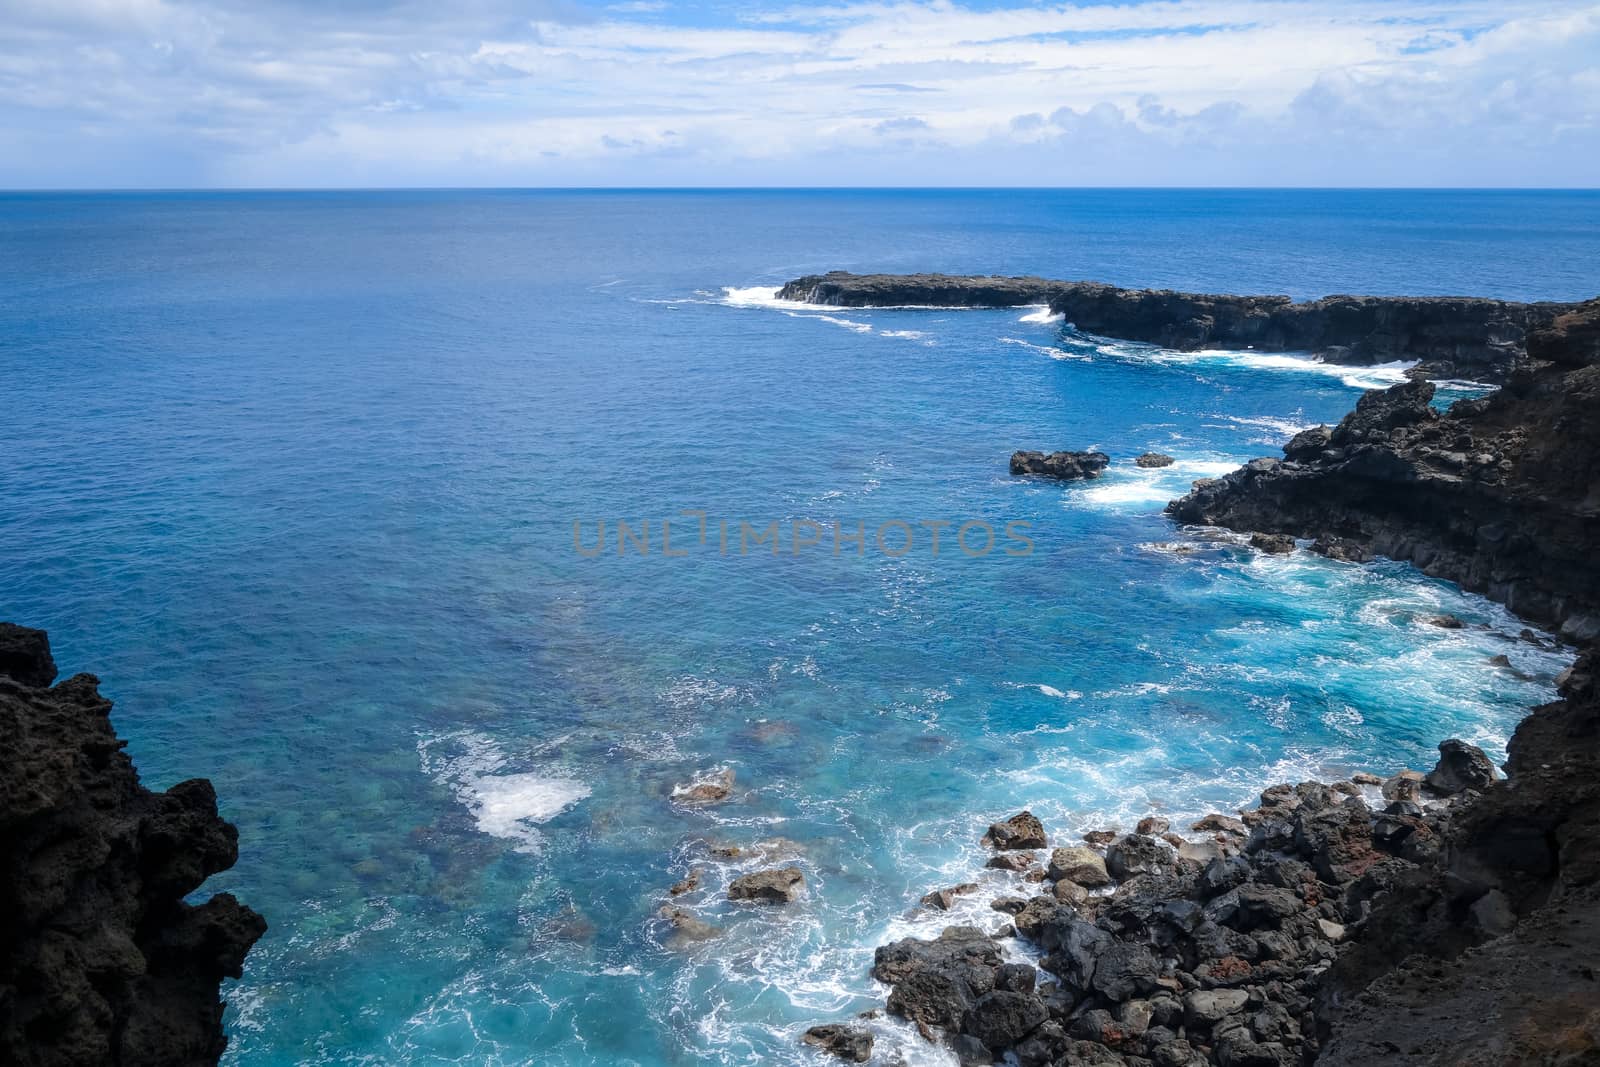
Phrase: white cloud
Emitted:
{"points": [[493, 92]]}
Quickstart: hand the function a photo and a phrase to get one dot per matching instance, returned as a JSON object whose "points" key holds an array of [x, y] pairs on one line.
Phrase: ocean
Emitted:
{"points": [[315, 483]]}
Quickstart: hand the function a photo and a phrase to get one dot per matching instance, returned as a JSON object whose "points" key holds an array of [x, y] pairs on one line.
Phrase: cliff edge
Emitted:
{"points": [[101, 959]]}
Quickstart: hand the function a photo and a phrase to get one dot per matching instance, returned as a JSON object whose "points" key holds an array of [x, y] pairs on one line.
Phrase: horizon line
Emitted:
{"points": [[4, 191]]}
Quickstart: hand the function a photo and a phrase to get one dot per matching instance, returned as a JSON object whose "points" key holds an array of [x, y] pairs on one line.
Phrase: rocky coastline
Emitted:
{"points": [[1451, 337], [1500, 494], [1444, 918], [102, 961]]}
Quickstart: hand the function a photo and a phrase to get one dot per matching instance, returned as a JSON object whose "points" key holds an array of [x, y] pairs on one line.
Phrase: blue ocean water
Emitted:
{"points": [[297, 474]]}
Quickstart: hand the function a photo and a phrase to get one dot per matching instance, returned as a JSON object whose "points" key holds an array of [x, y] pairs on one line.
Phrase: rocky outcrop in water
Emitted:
{"points": [[1063, 465], [1453, 336], [101, 959], [1500, 494]]}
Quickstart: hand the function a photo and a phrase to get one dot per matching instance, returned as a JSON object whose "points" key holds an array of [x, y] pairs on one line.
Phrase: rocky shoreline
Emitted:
{"points": [[101, 959], [1452, 337], [1447, 918], [1499, 494], [1440, 918]]}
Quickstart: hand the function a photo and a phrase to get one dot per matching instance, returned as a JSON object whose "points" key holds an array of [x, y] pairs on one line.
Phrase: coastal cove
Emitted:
{"points": [[468, 763]]}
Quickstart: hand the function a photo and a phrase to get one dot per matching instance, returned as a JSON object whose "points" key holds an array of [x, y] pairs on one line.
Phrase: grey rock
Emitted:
{"points": [[778, 886]]}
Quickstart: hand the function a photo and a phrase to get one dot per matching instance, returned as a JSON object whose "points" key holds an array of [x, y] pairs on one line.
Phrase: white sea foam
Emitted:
{"points": [[849, 324], [505, 805], [1281, 429], [762, 296], [1127, 487], [508, 805], [1041, 313], [1044, 350], [1377, 376]]}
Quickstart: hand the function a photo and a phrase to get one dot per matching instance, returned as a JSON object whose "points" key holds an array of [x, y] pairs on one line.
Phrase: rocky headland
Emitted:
{"points": [[1500, 494], [1446, 918], [102, 961], [1452, 337]]}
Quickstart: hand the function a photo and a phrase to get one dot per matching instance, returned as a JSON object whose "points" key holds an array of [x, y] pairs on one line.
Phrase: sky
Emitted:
{"points": [[333, 93]]}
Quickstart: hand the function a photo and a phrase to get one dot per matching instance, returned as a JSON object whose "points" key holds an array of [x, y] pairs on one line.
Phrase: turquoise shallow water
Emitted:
{"points": [[296, 475]]}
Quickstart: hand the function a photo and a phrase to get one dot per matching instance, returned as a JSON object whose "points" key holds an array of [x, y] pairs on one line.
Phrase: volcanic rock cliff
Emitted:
{"points": [[1452, 336], [101, 959], [1500, 494]]}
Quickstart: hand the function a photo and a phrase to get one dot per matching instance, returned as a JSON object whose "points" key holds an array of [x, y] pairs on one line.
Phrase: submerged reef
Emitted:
{"points": [[1452, 336], [101, 959]]}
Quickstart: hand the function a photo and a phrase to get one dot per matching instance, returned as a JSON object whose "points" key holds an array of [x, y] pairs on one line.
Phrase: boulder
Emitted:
{"points": [[1022, 831], [850, 1043], [1152, 826], [1134, 854], [1204, 1008], [1077, 864], [1405, 786], [776, 886], [1123, 970], [1341, 549], [1461, 767], [1003, 1017], [1272, 544], [1011, 861], [937, 982], [944, 898], [1154, 459], [1221, 824]]}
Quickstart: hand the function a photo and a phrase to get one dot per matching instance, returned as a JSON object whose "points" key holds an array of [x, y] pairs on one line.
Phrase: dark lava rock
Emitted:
{"points": [[1004, 1017], [102, 961], [1445, 622], [1022, 831], [937, 982], [1134, 854], [1154, 459], [1272, 544], [1461, 767], [1339, 548], [1480, 338], [25, 656], [1513, 518], [777, 886], [1066, 465], [850, 1043], [1011, 861], [944, 898]]}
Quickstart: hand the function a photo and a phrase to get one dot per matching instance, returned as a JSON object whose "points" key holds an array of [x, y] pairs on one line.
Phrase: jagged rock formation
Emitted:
{"points": [[101, 960], [1452, 336], [1487, 955], [1207, 950], [1500, 494], [1064, 465]]}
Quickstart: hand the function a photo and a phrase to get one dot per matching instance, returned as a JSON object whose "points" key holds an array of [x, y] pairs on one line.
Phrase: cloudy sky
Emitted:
{"points": [[648, 92]]}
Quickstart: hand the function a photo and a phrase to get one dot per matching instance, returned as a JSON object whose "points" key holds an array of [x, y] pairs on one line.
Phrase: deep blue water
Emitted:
{"points": [[297, 474]]}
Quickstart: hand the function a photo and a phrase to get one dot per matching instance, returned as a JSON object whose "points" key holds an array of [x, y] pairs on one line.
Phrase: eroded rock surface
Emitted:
{"points": [[101, 959]]}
